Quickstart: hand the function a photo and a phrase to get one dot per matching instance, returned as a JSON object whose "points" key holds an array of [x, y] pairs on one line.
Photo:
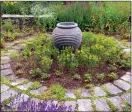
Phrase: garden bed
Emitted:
{"points": [[50, 70]]}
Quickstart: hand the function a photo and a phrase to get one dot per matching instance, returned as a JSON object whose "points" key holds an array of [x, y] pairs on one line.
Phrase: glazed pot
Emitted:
{"points": [[67, 34]]}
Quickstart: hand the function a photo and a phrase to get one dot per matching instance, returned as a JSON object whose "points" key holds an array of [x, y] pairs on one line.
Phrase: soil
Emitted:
{"points": [[66, 80]]}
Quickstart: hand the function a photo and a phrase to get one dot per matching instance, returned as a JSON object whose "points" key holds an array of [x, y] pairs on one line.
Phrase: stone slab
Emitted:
{"points": [[112, 89], [4, 87], [6, 72], [84, 105], [25, 86], [39, 91], [127, 97], [128, 73], [118, 102], [5, 59], [126, 78], [5, 66], [99, 92], [122, 84], [70, 103], [101, 105], [17, 81], [7, 94], [11, 77], [86, 93], [70, 94]]}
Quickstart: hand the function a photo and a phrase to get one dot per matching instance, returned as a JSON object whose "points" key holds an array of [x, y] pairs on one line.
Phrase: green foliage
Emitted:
{"points": [[44, 76], [34, 86], [112, 76], [14, 55], [67, 59], [58, 91], [4, 80], [125, 63], [13, 7], [46, 62], [76, 77], [101, 76], [88, 77], [35, 72], [58, 73], [8, 25], [126, 108]]}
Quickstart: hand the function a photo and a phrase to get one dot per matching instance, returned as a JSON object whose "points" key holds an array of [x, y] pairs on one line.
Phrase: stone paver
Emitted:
{"points": [[101, 105], [70, 94], [84, 105], [85, 93], [4, 87], [6, 72], [112, 89], [99, 92], [25, 86], [128, 73], [5, 59], [126, 78], [5, 66], [127, 97], [70, 103], [118, 102], [7, 94], [17, 81], [39, 91], [11, 77], [122, 84]]}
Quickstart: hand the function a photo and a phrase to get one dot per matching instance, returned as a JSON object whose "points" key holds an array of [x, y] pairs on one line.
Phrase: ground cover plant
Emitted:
{"points": [[100, 60]]}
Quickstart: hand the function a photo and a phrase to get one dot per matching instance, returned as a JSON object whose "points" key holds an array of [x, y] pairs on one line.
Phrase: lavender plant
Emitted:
{"points": [[19, 103]]}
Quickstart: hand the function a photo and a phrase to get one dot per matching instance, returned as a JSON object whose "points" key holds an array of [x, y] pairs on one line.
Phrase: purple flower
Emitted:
{"points": [[32, 106]]}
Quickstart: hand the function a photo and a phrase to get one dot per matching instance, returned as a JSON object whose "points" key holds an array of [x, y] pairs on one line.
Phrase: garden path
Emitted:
{"points": [[101, 98]]}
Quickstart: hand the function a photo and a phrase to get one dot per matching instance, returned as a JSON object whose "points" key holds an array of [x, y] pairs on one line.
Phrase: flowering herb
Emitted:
{"points": [[20, 104]]}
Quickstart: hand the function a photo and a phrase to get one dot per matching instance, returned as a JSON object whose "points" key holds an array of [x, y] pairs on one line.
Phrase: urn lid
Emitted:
{"points": [[67, 25]]}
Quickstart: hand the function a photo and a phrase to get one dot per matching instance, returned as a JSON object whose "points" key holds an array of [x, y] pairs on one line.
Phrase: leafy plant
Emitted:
{"points": [[58, 73], [44, 76], [46, 62], [88, 77], [35, 72], [101, 76], [112, 68], [76, 77], [112, 76], [34, 86], [58, 91], [8, 26]]}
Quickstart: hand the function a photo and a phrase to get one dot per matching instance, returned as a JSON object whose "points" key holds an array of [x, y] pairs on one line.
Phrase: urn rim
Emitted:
{"points": [[67, 25]]}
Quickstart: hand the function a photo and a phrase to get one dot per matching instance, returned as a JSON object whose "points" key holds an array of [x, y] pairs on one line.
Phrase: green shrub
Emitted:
{"points": [[8, 26], [58, 73], [88, 77], [34, 86], [76, 77], [46, 62], [35, 72], [101, 76], [44, 76], [58, 91], [112, 76]]}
